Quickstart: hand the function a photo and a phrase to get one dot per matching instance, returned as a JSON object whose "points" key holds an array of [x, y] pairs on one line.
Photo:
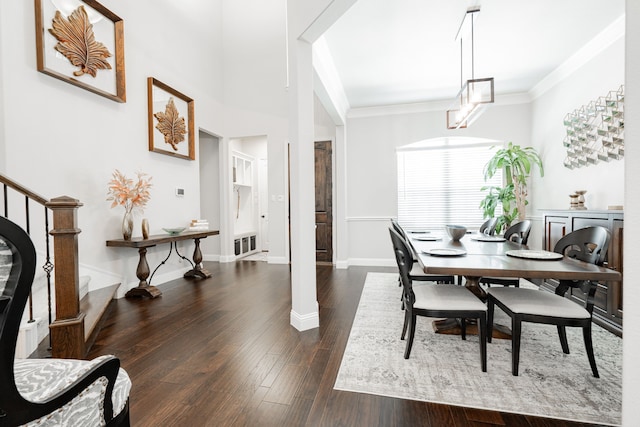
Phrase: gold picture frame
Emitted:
{"points": [[98, 68], [168, 128]]}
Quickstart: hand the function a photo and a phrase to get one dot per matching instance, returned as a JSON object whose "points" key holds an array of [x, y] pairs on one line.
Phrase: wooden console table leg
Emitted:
{"points": [[452, 326], [197, 270], [142, 272]]}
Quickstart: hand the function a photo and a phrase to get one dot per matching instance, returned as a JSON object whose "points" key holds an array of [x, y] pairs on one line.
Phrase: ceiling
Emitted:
{"points": [[389, 52]]}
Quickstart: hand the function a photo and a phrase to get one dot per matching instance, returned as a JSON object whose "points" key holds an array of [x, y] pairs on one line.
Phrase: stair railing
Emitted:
{"points": [[66, 337]]}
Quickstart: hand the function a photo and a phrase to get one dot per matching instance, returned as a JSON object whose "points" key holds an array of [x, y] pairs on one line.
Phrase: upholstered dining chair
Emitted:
{"points": [[539, 306], [416, 272], [437, 300], [517, 233], [49, 392], [489, 227]]}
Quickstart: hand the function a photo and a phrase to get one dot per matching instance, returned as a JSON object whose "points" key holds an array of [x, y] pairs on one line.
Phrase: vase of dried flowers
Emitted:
{"points": [[132, 195]]}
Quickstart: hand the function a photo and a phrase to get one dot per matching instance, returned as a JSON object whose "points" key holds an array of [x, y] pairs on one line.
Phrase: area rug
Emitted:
{"points": [[446, 369]]}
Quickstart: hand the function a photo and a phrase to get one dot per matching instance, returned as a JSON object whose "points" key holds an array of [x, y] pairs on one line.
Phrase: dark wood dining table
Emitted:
{"points": [[490, 259]]}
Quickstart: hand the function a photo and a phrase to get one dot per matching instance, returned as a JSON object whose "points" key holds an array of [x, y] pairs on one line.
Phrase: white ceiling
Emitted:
{"points": [[390, 52]]}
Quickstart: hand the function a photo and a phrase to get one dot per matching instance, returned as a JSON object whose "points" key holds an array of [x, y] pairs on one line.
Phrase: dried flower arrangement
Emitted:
{"points": [[125, 192]]}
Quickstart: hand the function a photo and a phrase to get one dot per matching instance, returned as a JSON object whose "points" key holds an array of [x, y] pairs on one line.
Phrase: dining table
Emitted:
{"points": [[477, 255]]}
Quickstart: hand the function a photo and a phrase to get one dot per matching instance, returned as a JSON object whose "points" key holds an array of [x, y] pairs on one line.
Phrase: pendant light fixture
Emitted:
{"points": [[474, 94]]}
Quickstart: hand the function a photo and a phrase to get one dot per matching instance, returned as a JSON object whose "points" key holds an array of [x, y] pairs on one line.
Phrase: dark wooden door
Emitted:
{"points": [[324, 216]]}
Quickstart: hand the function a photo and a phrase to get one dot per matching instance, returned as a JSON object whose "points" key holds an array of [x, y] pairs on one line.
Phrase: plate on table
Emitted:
{"points": [[426, 238], [445, 252], [531, 254], [487, 238], [418, 232], [174, 231]]}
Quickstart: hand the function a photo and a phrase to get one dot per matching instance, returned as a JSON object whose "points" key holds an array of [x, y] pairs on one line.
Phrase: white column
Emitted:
{"points": [[342, 227], [631, 342], [304, 310]]}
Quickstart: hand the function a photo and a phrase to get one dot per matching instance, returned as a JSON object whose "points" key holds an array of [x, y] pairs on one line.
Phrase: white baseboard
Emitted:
{"points": [[342, 265], [304, 322], [277, 260], [226, 258], [211, 257], [233, 258]]}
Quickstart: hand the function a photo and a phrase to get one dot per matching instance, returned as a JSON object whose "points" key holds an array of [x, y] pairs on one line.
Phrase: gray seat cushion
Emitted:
{"points": [[40, 379], [447, 297], [538, 302]]}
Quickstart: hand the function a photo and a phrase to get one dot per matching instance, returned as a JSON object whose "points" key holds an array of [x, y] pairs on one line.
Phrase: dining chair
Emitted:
{"points": [[437, 300], [539, 306], [416, 272], [517, 233], [51, 391], [489, 227]]}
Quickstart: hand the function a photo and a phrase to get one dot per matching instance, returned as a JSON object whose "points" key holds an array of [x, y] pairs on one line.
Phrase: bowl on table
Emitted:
{"points": [[456, 232], [175, 231]]}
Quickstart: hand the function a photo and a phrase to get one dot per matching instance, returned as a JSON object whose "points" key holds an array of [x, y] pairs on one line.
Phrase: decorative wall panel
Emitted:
{"points": [[595, 131]]}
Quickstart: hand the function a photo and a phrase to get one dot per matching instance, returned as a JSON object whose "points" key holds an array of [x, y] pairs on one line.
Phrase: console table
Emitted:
{"points": [[144, 288]]}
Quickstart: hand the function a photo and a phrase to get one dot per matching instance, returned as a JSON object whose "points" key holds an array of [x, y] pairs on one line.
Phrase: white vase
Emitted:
{"points": [[145, 228], [127, 225]]}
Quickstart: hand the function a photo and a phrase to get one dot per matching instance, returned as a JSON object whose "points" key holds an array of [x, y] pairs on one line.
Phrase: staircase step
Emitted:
{"points": [[95, 305]]}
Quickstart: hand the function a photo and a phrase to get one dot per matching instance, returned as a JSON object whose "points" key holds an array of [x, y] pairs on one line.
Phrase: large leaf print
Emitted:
{"points": [[171, 125], [77, 42]]}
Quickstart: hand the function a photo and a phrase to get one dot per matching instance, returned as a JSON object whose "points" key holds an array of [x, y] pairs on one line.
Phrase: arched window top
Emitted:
{"points": [[448, 142]]}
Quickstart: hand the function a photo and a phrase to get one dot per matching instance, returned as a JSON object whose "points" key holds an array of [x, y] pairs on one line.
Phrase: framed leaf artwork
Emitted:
{"points": [[170, 121], [82, 43]]}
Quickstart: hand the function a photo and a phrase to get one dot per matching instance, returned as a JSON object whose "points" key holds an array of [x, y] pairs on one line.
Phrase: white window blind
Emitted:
{"points": [[439, 183]]}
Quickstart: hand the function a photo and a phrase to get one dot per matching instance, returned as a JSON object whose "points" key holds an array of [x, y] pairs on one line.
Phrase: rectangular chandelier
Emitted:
{"points": [[470, 102], [474, 94]]}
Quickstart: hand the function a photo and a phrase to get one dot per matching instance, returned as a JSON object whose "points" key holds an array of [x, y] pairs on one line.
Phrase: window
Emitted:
{"points": [[439, 182]]}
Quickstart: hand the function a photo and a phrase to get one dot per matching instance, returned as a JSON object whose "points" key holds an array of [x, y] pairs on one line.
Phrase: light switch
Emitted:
{"points": [[179, 192]]}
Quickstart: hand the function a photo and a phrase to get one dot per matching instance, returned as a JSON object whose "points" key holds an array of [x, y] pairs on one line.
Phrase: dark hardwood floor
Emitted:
{"points": [[221, 352]]}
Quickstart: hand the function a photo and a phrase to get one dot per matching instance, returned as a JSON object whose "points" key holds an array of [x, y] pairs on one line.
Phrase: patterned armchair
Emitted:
{"points": [[49, 392]]}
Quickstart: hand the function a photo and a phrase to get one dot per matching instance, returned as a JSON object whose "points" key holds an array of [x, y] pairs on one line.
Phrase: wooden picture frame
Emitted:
{"points": [[106, 30], [163, 100]]}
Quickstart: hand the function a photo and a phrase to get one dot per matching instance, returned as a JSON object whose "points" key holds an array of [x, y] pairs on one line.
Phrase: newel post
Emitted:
{"points": [[67, 330]]}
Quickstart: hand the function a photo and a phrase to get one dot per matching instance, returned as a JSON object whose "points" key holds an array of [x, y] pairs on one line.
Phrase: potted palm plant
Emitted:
{"points": [[516, 163]]}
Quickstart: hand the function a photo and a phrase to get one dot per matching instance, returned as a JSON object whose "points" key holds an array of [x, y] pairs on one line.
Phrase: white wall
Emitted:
{"points": [[256, 98], [87, 136], [372, 173], [64, 140], [325, 129], [604, 182], [255, 65], [631, 342]]}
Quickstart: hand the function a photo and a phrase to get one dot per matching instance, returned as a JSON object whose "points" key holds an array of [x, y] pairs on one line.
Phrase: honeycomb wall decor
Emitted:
{"points": [[595, 131]]}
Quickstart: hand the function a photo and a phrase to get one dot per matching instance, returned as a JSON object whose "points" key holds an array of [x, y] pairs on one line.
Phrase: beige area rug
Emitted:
{"points": [[446, 369]]}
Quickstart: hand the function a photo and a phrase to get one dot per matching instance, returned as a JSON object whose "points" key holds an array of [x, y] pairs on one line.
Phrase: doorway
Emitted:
{"points": [[250, 197], [324, 205]]}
